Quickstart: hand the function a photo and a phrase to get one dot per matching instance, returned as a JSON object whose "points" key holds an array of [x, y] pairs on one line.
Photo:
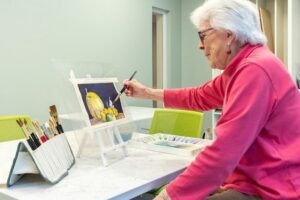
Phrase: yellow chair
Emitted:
{"points": [[177, 122], [9, 128]]}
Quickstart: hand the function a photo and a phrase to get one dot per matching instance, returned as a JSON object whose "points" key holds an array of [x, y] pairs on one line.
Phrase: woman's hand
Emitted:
{"points": [[135, 89], [163, 195]]}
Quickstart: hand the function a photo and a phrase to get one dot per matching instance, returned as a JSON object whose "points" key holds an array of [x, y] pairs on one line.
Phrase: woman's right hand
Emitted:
{"points": [[135, 89]]}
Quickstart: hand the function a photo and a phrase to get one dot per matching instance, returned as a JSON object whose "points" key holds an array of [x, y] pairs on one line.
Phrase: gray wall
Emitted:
{"points": [[173, 39], [41, 40], [195, 69]]}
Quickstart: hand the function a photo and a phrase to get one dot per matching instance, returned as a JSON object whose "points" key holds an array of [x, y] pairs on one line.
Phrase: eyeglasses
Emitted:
{"points": [[202, 34]]}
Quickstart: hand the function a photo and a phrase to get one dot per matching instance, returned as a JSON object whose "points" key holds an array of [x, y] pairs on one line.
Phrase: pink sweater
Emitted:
{"points": [[257, 150]]}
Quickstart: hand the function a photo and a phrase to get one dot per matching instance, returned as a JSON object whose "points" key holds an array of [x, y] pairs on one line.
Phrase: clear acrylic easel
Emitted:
{"points": [[109, 140], [106, 135]]}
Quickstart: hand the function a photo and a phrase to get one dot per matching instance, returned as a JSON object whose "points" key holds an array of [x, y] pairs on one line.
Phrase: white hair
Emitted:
{"points": [[238, 16]]}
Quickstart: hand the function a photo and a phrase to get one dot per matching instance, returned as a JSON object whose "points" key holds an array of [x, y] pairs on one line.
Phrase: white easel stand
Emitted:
{"points": [[109, 139]]}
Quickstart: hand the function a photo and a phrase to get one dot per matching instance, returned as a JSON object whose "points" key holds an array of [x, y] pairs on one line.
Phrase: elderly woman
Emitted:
{"points": [[256, 152]]}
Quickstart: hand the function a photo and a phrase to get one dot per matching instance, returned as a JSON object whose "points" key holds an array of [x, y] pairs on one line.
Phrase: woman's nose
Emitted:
{"points": [[201, 46]]}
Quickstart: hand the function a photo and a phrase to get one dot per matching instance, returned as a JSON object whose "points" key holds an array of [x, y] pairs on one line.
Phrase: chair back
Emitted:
{"points": [[177, 122]]}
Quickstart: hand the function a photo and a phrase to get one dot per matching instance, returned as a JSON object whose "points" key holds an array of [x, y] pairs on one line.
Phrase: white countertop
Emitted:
{"points": [[125, 178], [131, 176]]}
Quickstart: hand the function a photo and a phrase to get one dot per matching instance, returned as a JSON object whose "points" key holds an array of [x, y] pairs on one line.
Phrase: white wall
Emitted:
{"points": [[41, 40]]}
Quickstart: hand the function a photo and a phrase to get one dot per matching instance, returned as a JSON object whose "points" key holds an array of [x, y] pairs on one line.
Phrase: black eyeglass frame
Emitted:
{"points": [[202, 34]]}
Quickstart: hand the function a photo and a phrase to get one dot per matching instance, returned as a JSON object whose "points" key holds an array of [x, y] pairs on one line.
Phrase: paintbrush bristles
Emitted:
{"points": [[53, 109], [54, 114], [28, 126], [23, 127]]}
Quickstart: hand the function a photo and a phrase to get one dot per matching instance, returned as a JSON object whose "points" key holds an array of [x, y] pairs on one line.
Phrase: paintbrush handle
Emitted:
{"points": [[131, 77], [124, 87]]}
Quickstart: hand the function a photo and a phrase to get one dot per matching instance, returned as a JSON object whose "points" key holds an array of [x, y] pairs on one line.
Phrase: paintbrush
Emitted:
{"points": [[37, 127], [52, 127], [123, 89], [20, 123], [54, 114], [27, 135], [32, 133]]}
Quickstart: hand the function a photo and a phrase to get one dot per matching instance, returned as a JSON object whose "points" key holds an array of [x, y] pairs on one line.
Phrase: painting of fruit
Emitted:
{"points": [[97, 100]]}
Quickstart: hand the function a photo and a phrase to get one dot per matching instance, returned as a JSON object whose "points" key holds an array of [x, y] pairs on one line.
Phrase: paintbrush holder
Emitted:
{"points": [[51, 160]]}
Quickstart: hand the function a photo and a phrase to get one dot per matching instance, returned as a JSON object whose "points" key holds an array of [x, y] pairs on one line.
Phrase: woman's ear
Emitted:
{"points": [[229, 34], [230, 37]]}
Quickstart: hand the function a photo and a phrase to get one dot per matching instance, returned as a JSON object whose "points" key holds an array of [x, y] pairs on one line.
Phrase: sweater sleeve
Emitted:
{"points": [[205, 97], [246, 109]]}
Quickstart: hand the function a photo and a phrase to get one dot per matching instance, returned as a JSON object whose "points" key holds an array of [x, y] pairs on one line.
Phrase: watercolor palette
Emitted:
{"points": [[172, 144]]}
